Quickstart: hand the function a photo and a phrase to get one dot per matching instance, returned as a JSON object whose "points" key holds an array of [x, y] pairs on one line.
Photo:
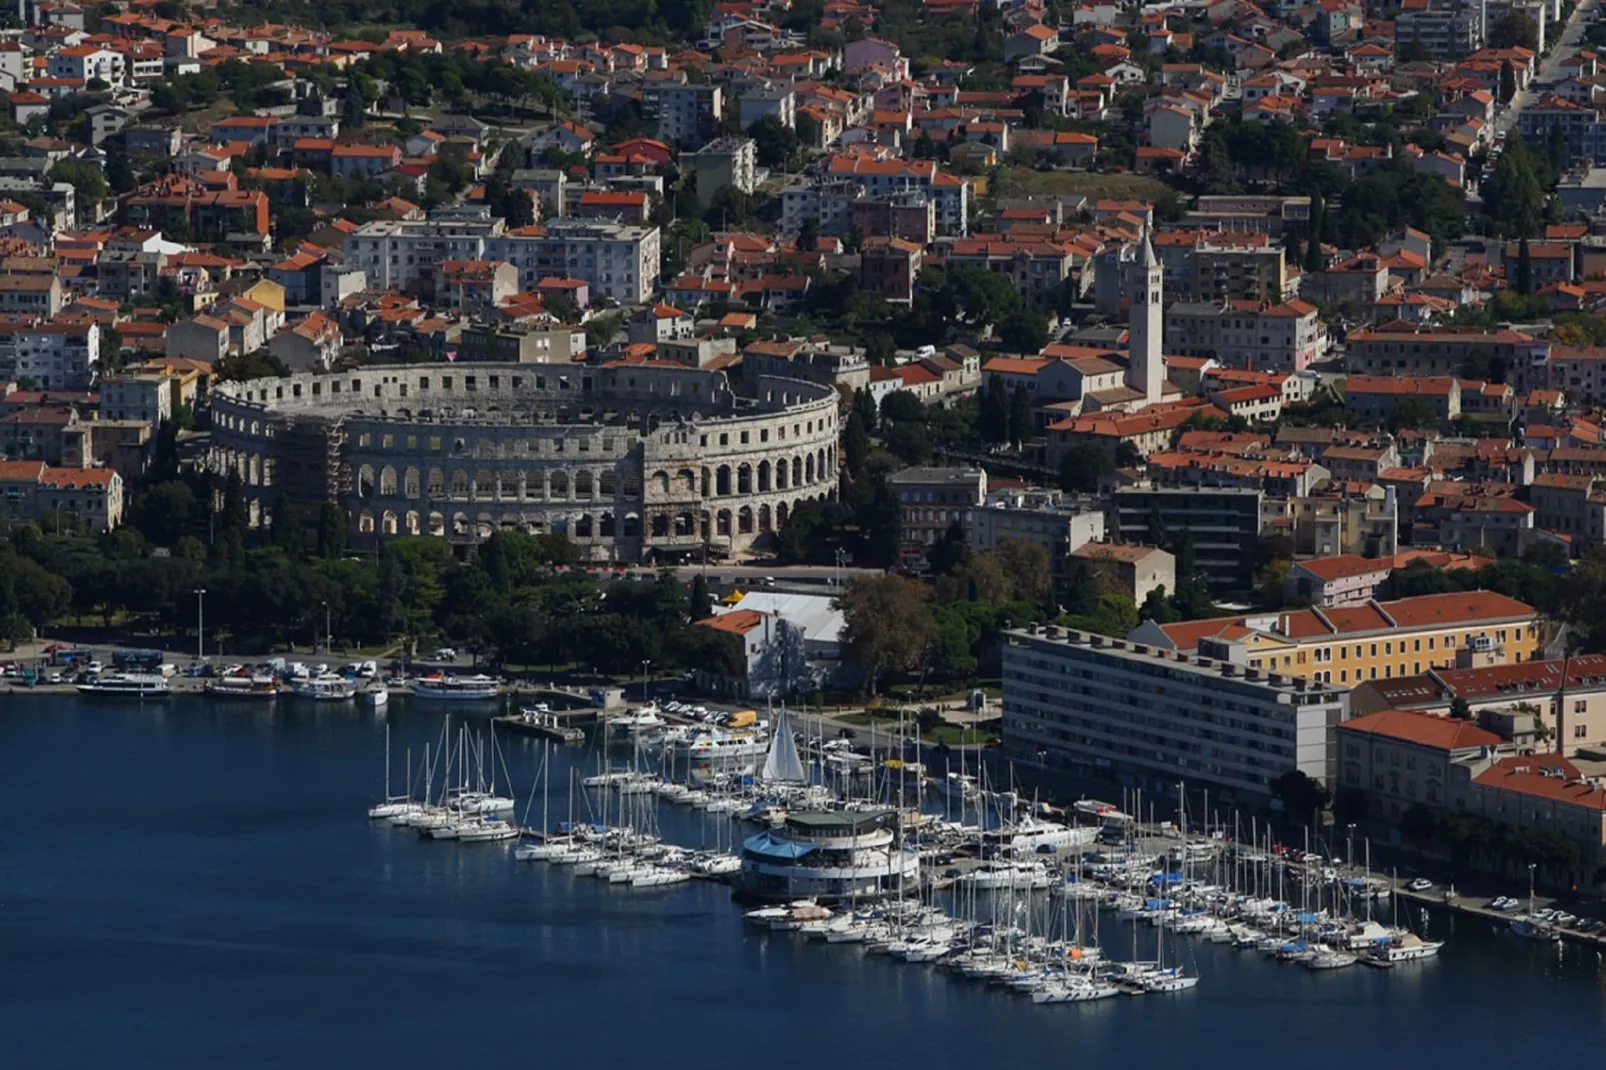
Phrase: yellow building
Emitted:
{"points": [[1374, 641]]}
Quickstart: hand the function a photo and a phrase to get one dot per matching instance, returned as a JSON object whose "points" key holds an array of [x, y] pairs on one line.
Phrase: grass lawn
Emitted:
{"points": [[951, 734], [1026, 182]]}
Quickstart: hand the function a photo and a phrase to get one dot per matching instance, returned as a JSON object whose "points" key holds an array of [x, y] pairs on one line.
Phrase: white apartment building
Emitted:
{"points": [[396, 253], [1285, 337], [84, 62], [685, 115], [56, 356], [617, 260], [1108, 708], [878, 180]]}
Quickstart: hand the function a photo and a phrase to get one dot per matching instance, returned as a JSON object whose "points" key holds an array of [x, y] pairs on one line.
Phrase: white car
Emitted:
{"points": [[1421, 884], [445, 653]]}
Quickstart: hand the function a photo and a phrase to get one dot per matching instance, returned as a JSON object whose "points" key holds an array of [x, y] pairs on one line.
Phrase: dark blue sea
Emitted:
{"points": [[197, 885]]}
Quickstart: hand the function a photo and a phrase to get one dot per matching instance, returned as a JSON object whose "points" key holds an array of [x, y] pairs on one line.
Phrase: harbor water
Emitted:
{"points": [[195, 884]]}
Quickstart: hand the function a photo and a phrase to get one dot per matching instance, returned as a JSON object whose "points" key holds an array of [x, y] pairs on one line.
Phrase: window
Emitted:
{"points": [[1580, 731]]}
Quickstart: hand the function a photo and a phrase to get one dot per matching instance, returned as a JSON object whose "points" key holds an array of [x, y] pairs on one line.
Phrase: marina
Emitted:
{"points": [[271, 903]]}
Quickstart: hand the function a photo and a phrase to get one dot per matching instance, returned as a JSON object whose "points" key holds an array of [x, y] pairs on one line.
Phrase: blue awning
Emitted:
{"points": [[769, 846]]}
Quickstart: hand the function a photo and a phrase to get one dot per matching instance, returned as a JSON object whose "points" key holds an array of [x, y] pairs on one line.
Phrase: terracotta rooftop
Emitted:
{"points": [[1422, 729]]}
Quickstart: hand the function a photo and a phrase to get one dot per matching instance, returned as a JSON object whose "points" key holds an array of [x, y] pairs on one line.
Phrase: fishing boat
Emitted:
{"points": [[262, 688], [138, 685], [448, 687], [326, 687]]}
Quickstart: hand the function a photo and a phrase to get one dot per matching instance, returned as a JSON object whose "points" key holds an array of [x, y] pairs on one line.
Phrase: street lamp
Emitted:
{"points": [[328, 632], [200, 623], [1531, 866], [645, 662], [1349, 845]]}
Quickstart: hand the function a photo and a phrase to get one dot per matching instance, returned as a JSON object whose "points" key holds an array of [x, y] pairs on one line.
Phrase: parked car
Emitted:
{"points": [[1421, 884], [445, 653]]}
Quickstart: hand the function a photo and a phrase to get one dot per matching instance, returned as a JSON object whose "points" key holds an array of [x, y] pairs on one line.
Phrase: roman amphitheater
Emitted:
{"points": [[632, 463]]}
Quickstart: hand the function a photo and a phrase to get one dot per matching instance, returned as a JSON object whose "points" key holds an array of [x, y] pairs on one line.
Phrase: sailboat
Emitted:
{"points": [[782, 764], [394, 805]]}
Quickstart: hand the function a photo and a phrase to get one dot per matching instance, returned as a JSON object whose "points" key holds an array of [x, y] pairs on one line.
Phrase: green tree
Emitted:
{"points": [[1508, 82], [331, 531], [702, 602], [1514, 196], [774, 143], [1514, 30], [87, 180], [1084, 468], [1024, 330], [993, 422], [886, 625], [1021, 426], [1525, 268]]}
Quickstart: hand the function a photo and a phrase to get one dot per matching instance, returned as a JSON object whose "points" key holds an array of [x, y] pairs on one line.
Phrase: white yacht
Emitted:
{"points": [[1020, 876], [375, 695], [476, 688], [325, 687], [641, 721], [956, 786], [138, 685], [722, 750]]}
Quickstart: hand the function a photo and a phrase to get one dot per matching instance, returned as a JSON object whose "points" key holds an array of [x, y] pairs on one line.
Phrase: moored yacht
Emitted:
{"points": [[263, 688], [138, 685], [325, 687], [475, 688]]}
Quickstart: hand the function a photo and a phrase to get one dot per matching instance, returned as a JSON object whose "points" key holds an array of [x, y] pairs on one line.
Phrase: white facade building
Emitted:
{"points": [[56, 356], [1109, 708]]}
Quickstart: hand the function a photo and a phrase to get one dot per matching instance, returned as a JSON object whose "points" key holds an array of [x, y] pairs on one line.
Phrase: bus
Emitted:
{"points": [[138, 660]]}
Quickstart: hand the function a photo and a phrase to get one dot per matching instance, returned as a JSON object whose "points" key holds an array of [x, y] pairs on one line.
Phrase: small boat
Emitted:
{"points": [[1164, 983], [262, 688], [325, 687], [475, 688], [1330, 960], [375, 696], [1533, 928], [486, 830], [137, 685], [1412, 948], [641, 721]]}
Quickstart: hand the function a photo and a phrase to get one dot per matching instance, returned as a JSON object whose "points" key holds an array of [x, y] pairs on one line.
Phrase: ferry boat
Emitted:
{"points": [[828, 855], [140, 685], [326, 687], [476, 688], [261, 688]]}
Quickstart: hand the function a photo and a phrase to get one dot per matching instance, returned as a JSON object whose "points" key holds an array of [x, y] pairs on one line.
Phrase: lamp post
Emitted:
{"points": [[645, 662], [1349, 846], [1531, 866], [328, 632], [200, 623]]}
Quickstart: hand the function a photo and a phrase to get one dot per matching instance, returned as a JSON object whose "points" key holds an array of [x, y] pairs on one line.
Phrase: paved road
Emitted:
{"points": [[1571, 40]]}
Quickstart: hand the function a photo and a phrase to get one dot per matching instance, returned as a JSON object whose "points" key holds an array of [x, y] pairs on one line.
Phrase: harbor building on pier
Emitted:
{"points": [[829, 855]]}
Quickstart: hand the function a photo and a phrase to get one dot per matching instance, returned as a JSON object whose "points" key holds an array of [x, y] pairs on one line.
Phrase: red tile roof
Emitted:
{"points": [[1422, 729]]}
